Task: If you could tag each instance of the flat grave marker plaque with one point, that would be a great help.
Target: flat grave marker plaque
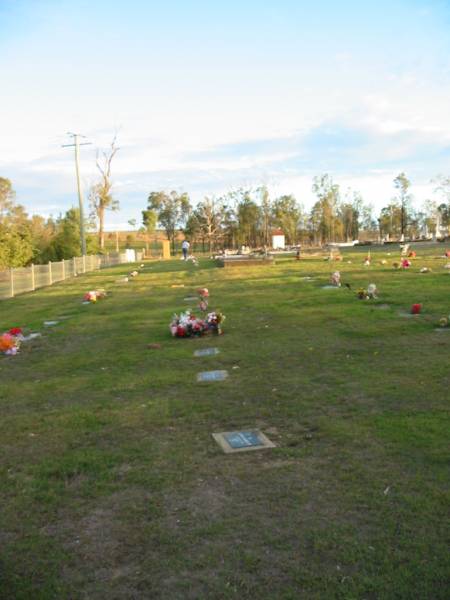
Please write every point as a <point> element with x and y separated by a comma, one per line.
<point>212,375</point>
<point>50,323</point>
<point>382,306</point>
<point>191,299</point>
<point>242,441</point>
<point>206,352</point>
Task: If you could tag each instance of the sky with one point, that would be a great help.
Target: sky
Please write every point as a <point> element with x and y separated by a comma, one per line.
<point>209,96</point>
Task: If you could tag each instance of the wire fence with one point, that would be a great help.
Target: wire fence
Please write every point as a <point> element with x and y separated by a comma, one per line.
<point>27,279</point>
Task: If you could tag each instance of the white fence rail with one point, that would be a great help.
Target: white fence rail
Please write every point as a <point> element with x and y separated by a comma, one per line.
<point>27,279</point>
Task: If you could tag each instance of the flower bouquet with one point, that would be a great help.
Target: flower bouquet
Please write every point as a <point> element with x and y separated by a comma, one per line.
<point>372,291</point>
<point>204,295</point>
<point>362,294</point>
<point>416,309</point>
<point>214,321</point>
<point>10,341</point>
<point>335,279</point>
<point>444,321</point>
<point>192,259</point>
<point>406,263</point>
<point>187,325</point>
<point>94,295</point>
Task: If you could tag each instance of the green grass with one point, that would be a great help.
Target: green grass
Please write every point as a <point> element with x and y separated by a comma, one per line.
<point>112,486</point>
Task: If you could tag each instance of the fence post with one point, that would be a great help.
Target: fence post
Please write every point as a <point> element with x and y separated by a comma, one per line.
<point>11,282</point>
<point>74,267</point>
<point>63,269</point>
<point>50,278</point>
<point>33,281</point>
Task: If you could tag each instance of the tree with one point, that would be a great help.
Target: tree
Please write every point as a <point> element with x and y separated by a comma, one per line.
<point>193,230</point>
<point>149,220</point>
<point>266,215</point>
<point>351,215</point>
<point>402,184</point>
<point>209,215</point>
<point>100,195</point>
<point>7,196</point>
<point>325,209</point>
<point>443,209</point>
<point>16,247</point>
<point>288,216</point>
<point>248,215</point>
<point>172,210</point>
<point>390,219</point>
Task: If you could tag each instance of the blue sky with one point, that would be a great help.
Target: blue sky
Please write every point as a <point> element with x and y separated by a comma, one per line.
<point>210,96</point>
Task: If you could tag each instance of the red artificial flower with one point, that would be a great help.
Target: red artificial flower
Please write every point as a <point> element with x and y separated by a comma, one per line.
<point>416,308</point>
<point>15,331</point>
<point>181,332</point>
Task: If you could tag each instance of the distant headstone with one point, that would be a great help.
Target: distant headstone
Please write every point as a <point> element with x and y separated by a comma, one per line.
<point>191,299</point>
<point>242,441</point>
<point>50,323</point>
<point>31,336</point>
<point>212,375</point>
<point>206,352</point>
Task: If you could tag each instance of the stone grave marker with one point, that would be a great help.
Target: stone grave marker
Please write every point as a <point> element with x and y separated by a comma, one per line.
<point>50,323</point>
<point>242,441</point>
<point>191,299</point>
<point>212,376</point>
<point>382,306</point>
<point>206,352</point>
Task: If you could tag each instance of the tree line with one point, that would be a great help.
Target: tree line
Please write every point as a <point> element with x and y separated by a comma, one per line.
<point>248,216</point>
<point>240,217</point>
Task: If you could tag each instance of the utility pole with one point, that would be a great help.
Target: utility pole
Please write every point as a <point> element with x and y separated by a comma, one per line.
<point>77,145</point>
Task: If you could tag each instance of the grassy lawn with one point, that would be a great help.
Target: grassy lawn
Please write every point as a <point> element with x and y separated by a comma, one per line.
<point>113,488</point>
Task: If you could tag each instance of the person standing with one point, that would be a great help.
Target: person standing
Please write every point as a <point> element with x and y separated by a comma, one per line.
<point>184,248</point>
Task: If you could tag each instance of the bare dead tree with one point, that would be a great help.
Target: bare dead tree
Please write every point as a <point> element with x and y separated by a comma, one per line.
<point>100,195</point>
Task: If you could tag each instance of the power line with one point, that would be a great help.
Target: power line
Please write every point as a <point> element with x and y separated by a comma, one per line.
<point>76,145</point>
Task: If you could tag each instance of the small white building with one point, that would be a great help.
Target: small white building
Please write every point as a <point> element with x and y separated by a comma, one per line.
<point>278,239</point>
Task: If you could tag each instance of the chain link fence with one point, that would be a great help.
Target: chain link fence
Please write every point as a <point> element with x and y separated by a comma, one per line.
<point>27,279</point>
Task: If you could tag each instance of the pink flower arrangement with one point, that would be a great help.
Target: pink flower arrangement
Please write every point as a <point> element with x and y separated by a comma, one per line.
<point>188,325</point>
<point>94,295</point>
